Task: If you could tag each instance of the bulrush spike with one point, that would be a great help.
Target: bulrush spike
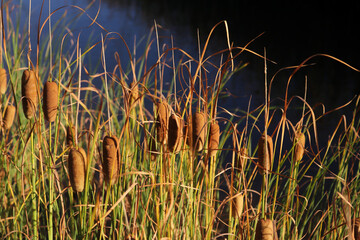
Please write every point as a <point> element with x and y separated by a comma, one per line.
<point>77,169</point>
<point>199,131</point>
<point>299,142</point>
<point>134,92</point>
<point>162,122</point>
<point>29,93</point>
<point>70,134</point>
<point>265,156</point>
<point>110,159</point>
<point>357,229</point>
<point>238,205</point>
<point>242,159</point>
<point>175,134</point>
<point>214,137</point>
<point>266,230</point>
<point>9,116</point>
<point>50,101</point>
<point>3,80</point>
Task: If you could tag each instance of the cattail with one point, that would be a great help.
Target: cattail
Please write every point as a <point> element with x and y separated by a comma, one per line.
<point>214,137</point>
<point>50,101</point>
<point>175,135</point>
<point>242,159</point>
<point>357,229</point>
<point>162,122</point>
<point>299,146</point>
<point>265,230</point>
<point>9,116</point>
<point>199,130</point>
<point>238,205</point>
<point>70,134</point>
<point>110,159</point>
<point>29,93</point>
<point>77,169</point>
<point>3,80</point>
<point>134,92</point>
<point>265,154</point>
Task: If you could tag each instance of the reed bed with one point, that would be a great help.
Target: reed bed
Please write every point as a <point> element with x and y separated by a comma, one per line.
<point>124,154</point>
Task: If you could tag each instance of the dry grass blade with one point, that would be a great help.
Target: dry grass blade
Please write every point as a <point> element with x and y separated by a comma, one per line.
<point>265,153</point>
<point>214,139</point>
<point>3,80</point>
<point>77,169</point>
<point>199,131</point>
<point>265,230</point>
<point>110,159</point>
<point>299,142</point>
<point>175,135</point>
<point>9,116</point>
<point>29,93</point>
<point>162,122</point>
<point>50,101</point>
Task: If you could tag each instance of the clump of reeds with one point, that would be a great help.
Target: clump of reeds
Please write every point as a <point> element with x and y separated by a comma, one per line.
<point>266,230</point>
<point>77,168</point>
<point>9,116</point>
<point>175,134</point>
<point>199,131</point>
<point>265,153</point>
<point>29,93</point>
<point>214,137</point>
<point>110,159</point>
<point>50,101</point>
<point>162,122</point>
<point>3,80</point>
<point>299,142</point>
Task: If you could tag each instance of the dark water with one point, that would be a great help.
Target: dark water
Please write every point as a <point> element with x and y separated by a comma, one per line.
<point>292,31</point>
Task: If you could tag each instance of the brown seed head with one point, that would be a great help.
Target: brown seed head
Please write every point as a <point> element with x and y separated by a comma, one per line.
<point>238,205</point>
<point>242,159</point>
<point>70,134</point>
<point>50,101</point>
<point>199,130</point>
<point>162,122</point>
<point>265,230</point>
<point>265,154</point>
<point>9,116</point>
<point>77,170</point>
<point>3,80</point>
<point>110,159</point>
<point>214,137</point>
<point>357,229</point>
<point>29,93</point>
<point>299,146</point>
<point>175,135</point>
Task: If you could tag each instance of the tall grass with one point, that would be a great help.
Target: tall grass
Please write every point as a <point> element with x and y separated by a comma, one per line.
<point>150,158</point>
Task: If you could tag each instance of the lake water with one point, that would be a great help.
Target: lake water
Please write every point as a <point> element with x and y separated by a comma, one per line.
<point>292,32</point>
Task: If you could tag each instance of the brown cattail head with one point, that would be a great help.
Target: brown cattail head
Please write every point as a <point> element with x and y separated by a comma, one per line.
<point>357,229</point>
<point>110,159</point>
<point>162,122</point>
<point>3,80</point>
<point>265,230</point>
<point>50,101</point>
<point>238,205</point>
<point>242,158</point>
<point>77,169</point>
<point>214,137</point>
<point>29,93</point>
<point>265,154</point>
<point>299,146</point>
<point>70,134</point>
<point>175,134</point>
<point>9,116</point>
<point>134,92</point>
<point>199,131</point>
